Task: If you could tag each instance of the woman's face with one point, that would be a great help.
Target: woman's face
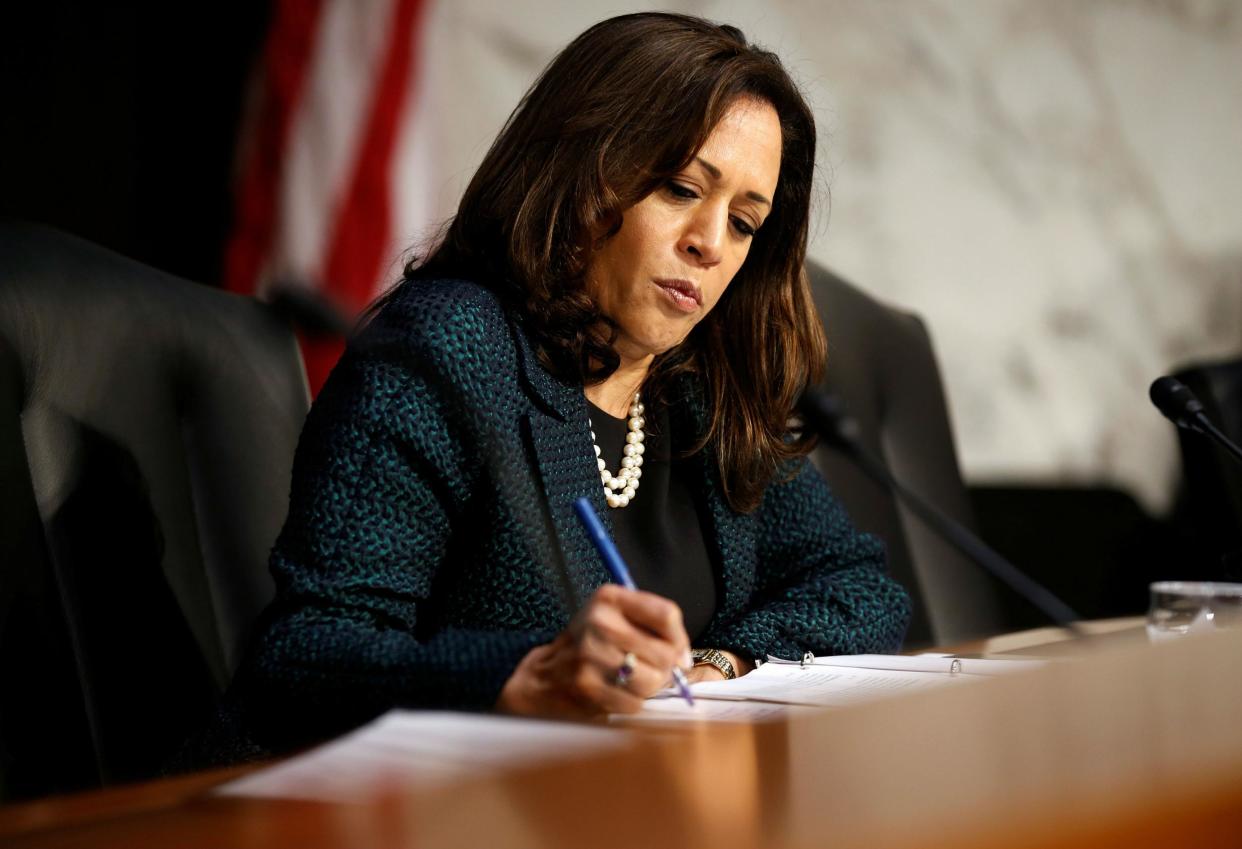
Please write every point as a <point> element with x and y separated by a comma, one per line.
<point>679,247</point>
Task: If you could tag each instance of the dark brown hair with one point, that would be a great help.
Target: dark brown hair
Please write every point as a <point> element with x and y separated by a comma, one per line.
<point>619,112</point>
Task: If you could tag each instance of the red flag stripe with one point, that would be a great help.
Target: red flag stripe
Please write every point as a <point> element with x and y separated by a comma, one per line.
<point>287,58</point>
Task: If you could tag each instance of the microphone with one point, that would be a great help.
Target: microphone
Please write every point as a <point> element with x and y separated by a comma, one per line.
<point>826,415</point>
<point>1180,406</point>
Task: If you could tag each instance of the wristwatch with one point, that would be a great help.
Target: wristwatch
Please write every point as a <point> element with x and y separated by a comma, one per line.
<point>716,658</point>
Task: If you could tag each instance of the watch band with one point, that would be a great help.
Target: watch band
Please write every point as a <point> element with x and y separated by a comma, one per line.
<point>716,658</point>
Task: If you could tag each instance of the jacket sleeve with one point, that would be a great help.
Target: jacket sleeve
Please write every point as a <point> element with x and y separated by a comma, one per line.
<point>382,470</point>
<point>820,586</point>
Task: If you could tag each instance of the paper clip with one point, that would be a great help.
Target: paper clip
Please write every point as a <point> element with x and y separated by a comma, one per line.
<point>808,658</point>
<point>955,667</point>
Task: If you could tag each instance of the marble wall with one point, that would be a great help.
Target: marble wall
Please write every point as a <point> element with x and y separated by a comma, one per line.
<point>1055,186</point>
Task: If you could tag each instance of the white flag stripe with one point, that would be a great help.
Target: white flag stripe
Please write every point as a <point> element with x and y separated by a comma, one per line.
<point>327,132</point>
<point>414,173</point>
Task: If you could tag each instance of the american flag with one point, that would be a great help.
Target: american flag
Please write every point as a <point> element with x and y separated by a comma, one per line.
<point>329,167</point>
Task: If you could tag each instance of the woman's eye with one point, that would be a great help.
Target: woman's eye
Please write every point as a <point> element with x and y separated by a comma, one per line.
<point>743,227</point>
<point>680,191</point>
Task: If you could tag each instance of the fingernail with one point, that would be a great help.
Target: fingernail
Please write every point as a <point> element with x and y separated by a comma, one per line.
<point>686,660</point>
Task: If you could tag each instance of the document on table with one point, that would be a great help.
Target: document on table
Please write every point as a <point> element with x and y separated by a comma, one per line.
<point>823,682</point>
<point>674,709</point>
<point>928,662</point>
<point>817,685</point>
<point>404,748</point>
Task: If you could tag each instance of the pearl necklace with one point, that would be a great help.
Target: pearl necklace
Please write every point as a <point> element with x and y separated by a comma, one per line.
<point>621,488</point>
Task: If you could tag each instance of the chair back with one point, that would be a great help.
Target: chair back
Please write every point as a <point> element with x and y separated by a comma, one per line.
<point>147,432</point>
<point>882,367</point>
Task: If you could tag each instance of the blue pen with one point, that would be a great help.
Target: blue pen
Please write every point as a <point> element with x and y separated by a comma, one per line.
<point>620,574</point>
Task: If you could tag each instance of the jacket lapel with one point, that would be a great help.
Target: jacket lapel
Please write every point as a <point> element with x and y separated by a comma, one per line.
<point>563,455</point>
<point>561,441</point>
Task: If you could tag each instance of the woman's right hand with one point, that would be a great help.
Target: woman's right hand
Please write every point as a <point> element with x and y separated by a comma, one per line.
<point>575,675</point>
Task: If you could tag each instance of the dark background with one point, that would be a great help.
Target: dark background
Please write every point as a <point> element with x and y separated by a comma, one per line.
<point>121,124</point>
<point>121,120</point>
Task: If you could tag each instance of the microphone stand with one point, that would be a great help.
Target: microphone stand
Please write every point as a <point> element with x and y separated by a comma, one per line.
<point>1203,425</point>
<point>1178,404</point>
<point>824,414</point>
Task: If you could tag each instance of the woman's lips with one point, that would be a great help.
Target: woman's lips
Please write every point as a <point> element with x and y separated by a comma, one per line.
<point>682,294</point>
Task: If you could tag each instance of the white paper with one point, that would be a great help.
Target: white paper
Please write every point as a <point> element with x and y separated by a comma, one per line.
<point>404,748</point>
<point>791,684</point>
<point>675,709</point>
<point>929,662</point>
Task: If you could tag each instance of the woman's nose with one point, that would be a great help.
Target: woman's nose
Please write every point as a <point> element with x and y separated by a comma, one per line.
<point>704,236</point>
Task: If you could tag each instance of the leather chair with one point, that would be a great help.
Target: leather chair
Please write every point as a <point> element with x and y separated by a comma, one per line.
<point>147,431</point>
<point>881,365</point>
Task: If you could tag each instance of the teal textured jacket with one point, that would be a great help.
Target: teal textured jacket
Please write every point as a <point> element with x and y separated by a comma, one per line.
<point>430,542</point>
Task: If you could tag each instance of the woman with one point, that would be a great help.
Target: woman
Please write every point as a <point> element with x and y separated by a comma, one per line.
<point>617,311</point>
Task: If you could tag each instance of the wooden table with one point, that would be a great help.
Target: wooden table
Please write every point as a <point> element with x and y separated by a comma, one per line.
<point>1126,745</point>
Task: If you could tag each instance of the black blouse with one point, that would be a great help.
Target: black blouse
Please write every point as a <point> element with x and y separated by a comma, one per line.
<point>660,533</point>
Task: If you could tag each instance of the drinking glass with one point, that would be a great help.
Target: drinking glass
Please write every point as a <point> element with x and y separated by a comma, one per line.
<point>1191,607</point>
